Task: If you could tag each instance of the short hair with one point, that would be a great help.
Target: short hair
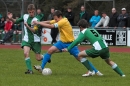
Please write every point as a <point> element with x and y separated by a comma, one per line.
<point>52,8</point>
<point>58,13</point>
<point>83,6</point>
<point>103,12</point>
<point>96,10</point>
<point>69,8</point>
<point>31,7</point>
<point>38,9</point>
<point>83,23</point>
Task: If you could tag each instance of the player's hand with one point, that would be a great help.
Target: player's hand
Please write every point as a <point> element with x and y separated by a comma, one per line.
<point>25,23</point>
<point>35,22</point>
<point>10,15</point>
<point>65,50</point>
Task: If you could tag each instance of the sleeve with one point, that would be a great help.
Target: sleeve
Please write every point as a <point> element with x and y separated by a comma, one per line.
<point>40,17</point>
<point>91,20</point>
<point>77,41</point>
<point>106,22</point>
<point>59,23</point>
<point>19,20</point>
<point>52,21</point>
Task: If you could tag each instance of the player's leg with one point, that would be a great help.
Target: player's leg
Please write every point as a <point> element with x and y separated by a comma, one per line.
<point>26,47</point>
<point>84,61</point>
<point>47,56</point>
<point>114,67</point>
<point>55,48</point>
<point>74,51</point>
<point>36,47</point>
<point>105,55</point>
<point>27,60</point>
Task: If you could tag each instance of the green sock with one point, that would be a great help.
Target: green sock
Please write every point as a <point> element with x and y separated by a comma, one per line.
<point>28,63</point>
<point>14,36</point>
<point>20,37</point>
<point>87,65</point>
<point>117,69</point>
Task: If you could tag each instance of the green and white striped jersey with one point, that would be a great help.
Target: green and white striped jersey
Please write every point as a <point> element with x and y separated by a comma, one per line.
<point>29,36</point>
<point>93,37</point>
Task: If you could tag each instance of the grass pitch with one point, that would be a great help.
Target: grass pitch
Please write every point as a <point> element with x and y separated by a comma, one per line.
<point>66,71</point>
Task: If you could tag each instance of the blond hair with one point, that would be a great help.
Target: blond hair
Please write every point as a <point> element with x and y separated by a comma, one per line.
<point>31,7</point>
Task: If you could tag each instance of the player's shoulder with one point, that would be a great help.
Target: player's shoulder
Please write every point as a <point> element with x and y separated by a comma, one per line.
<point>25,16</point>
<point>63,20</point>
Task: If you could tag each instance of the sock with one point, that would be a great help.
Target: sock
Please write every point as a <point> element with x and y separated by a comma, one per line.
<point>14,36</point>
<point>85,62</point>
<point>28,63</point>
<point>92,66</point>
<point>117,69</point>
<point>45,60</point>
<point>20,37</point>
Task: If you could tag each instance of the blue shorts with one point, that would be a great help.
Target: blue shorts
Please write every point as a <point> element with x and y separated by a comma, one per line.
<point>74,51</point>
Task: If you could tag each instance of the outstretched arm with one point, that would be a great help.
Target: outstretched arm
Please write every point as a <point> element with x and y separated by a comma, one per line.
<point>45,24</point>
<point>80,38</point>
<point>10,16</point>
<point>31,29</point>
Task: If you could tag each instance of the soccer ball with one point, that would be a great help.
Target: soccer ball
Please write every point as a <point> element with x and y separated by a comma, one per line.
<point>46,71</point>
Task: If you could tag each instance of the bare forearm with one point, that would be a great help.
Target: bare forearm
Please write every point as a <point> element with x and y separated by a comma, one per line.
<point>47,22</point>
<point>46,25</point>
<point>13,20</point>
<point>31,29</point>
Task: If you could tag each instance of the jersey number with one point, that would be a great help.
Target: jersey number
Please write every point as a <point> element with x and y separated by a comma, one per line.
<point>94,33</point>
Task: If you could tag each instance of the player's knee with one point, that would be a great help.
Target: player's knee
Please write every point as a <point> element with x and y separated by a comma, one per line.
<point>50,51</point>
<point>38,59</point>
<point>26,54</point>
<point>109,62</point>
<point>78,59</point>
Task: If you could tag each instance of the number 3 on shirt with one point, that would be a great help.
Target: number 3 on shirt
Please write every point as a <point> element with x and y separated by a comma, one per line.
<point>94,33</point>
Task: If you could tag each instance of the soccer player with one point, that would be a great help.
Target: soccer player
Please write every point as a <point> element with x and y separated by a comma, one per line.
<point>100,47</point>
<point>66,38</point>
<point>31,39</point>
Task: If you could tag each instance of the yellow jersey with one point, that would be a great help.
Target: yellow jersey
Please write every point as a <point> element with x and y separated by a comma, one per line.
<point>65,30</point>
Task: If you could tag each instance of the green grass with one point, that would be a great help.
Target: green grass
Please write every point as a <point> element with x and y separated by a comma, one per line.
<point>66,71</point>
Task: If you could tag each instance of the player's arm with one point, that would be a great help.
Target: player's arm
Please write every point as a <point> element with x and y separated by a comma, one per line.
<point>80,38</point>
<point>31,29</point>
<point>10,16</point>
<point>47,24</point>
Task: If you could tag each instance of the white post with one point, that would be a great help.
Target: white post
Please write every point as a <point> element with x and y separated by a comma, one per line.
<point>128,37</point>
